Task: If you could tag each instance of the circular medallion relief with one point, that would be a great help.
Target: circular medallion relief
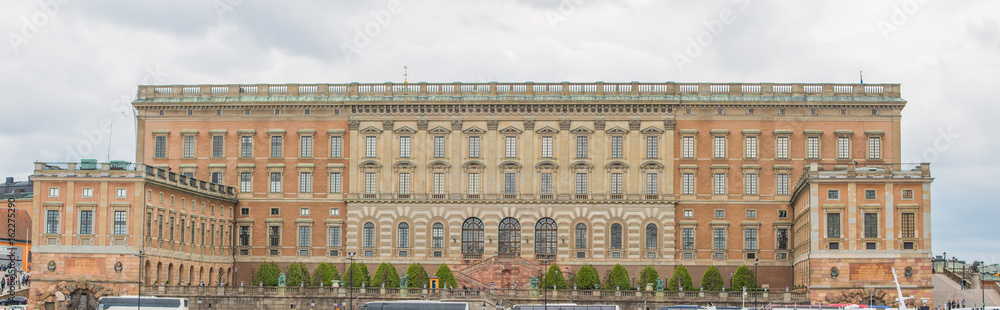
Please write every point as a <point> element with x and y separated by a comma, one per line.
<point>52,266</point>
<point>118,267</point>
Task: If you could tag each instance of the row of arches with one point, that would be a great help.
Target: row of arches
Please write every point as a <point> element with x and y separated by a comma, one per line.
<point>185,274</point>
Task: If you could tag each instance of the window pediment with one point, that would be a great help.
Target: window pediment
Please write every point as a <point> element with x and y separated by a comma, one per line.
<point>616,165</point>
<point>510,165</point>
<point>371,130</point>
<point>582,130</point>
<point>474,130</point>
<point>651,165</point>
<point>405,130</point>
<point>369,164</point>
<point>547,165</point>
<point>439,130</point>
<point>616,131</point>
<point>582,165</point>
<point>547,131</point>
<point>473,165</point>
<point>439,165</point>
<point>403,165</point>
<point>651,131</point>
<point>511,130</point>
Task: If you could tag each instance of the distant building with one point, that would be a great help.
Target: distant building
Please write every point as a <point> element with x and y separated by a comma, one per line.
<point>10,186</point>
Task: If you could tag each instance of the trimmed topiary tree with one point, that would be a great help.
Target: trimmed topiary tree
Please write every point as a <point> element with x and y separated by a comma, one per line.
<point>267,273</point>
<point>617,279</point>
<point>648,275</point>
<point>681,277</point>
<point>712,279</point>
<point>743,278</point>
<point>554,277</point>
<point>325,273</point>
<point>417,276</point>
<point>385,274</point>
<point>445,277</point>
<point>356,279</point>
<point>586,278</point>
<point>297,274</point>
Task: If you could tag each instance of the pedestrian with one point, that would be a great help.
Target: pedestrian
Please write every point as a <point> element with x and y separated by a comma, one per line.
<point>963,302</point>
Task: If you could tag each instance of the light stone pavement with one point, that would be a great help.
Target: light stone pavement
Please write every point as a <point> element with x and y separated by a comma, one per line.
<point>945,289</point>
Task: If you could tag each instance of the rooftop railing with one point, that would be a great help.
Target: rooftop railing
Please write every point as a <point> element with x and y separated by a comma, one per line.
<point>616,89</point>
<point>126,169</point>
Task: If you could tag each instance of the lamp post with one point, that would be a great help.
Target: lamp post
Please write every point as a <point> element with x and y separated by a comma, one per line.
<point>981,288</point>
<point>350,288</point>
<point>312,304</point>
<point>545,297</point>
<point>755,263</point>
<point>199,303</point>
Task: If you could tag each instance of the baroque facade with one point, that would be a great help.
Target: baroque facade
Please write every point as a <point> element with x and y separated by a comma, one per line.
<point>498,179</point>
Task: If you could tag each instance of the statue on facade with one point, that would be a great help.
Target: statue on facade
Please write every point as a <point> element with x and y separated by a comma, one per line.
<point>534,283</point>
<point>281,279</point>
<point>660,284</point>
<point>404,281</point>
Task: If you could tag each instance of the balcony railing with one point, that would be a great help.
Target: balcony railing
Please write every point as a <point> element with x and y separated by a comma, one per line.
<point>125,169</point>
<point>506,196</point>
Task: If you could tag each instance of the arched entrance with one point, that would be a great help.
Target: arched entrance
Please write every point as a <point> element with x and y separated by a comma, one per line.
<point>509,240</point>
<point>545,239</point>
<point>472,238</point>
<point>82,299</point>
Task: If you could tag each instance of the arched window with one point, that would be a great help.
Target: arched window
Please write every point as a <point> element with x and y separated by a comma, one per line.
<point>369,235</point>
<point>616,236</point>
<point>651,236</point>
<point>509,241</point>
<point>545,238</point>
<point>437,233</point>
<point>581,236</point>
<point>403,235</point>
<point>472,238</point>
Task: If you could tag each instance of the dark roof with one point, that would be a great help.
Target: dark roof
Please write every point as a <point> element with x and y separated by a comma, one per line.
<point>21,219</point>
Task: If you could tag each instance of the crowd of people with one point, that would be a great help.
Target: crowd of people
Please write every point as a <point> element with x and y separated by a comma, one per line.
<point>952,304</point>
<point>18,280</point>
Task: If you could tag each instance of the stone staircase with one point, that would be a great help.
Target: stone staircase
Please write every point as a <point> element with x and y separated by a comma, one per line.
<point>502,272</point>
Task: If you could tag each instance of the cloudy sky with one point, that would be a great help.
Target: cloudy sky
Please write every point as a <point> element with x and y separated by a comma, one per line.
<point>67,66</point>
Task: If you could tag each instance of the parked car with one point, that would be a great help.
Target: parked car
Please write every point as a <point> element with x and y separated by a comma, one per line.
<point>18,307</point>
<point>16,300</point>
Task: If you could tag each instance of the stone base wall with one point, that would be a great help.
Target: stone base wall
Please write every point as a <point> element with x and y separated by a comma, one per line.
<point>850,280</point>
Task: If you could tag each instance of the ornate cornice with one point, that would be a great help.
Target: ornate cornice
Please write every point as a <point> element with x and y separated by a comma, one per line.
<point>422,124</point>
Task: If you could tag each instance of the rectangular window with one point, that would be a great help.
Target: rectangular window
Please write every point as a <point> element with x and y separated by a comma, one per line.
<point>547,147</point>
<point>833,195</point>
<point>86,222</point>
<point>687,147</point>
<point>88,193</point>
<point>652,147</point>
<point>336,146</point>
<point>750,239</point>
<point>246,185</point>
<point>244,211</point>
<point>869,194</point>
<point>782,234</point>
<point>276,146</point>
<point>581,183</point>
<point>305,182</point>
<point>121,193</point>
<point>874,147</point>
<point>246,146</point>
<point>750,184</point>
<point>616,183</point>
<point>439,147</point>
<point>371,146</point>
<point>782,184</point>
<point>473,183</point>
<point>687,238</point>
<point>833,225</point>
<point>720,184</point>
<point>546,184</point>
<point>159,227</point>
<point>781,147</point>
<point>53,192</point>
<point>335,179</point>
<point>907,194</point>
<point>720,147</point>
<point>688,213</point>
<point>244,235</point>
<point>720,213</point>
<point>370,183</point>
<point>751,214</point>
<point>871,225</point>
<point>687,184</point>
<point>719,238</point>
<point>510,147</point>
<point>782,214</point>
<point>218,146</point>
<point>217,177</point>
<point>751,146</point>
<point>189,146</point>
<point>510,183</point>
<point>120,220</point>
<point>473,146</point>
<point>161,147</point>
<point>843,147</point>
<point>652,183</point>
<point>306,146</point>
<point>334,211</point>
<point>273,235</point>
<point>304,236</point>
<point>439,183</point>
<point>275,182</point>
<point>908,228</point>
<point>404,183</point>
<point>333,237</point>
<point>170,228</point>
<point>616,147</point>
<point>581,147</point>
<point>404,146</point>
<point>812,147</point>
<point>52,222</point>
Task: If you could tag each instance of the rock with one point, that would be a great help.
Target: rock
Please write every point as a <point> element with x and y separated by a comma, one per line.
<point>60,296</point>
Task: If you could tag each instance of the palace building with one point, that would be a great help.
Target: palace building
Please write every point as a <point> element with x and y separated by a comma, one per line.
<point>801,182</point>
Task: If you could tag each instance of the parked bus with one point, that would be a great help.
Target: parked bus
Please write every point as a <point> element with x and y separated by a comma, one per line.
<point>564,307</point>
<point>147,302</point>
<point>415,305</point>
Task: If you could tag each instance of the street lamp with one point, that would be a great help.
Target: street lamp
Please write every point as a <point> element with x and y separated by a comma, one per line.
<point>545,297</point>
<point>755,263</point>
<point>199,303</point>
<point>312,304</point>
<point>350,257</point>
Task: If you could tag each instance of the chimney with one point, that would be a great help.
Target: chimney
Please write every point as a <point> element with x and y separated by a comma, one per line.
<point>10,180</point>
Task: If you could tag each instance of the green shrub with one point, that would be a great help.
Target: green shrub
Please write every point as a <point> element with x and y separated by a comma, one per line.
<point>297,274</point>
<point>267,273</point>
<point>617,279</point>
<point>554,277</point>
<point>743,278</point>
<point>648,275</point>
<point>385,274</point>
<point>712,279</point>
<point>417,276</point>
<point>445,277</point>
<point>681,277</point>
<point>356,279</point>
<point>325,273</point>
<point>586,278</point>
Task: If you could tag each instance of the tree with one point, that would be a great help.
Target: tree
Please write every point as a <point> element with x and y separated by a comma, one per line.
<point>681,274</point>
<point>267,273</point>
<point>325,273</point>
<point>617,278</point>
<point>445,276</point>
<point>297,274</point>
<point>385,275</point>
<point>743,278</point>
<point>417,276</point>
<point>586,278</point>
<point>712,279</point>
<point>355,279</point>
<point>648,275</point>
<point>554,277</point>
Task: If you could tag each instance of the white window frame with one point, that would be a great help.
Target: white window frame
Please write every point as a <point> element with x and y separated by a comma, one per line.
<point>246,181</point>
<point>305,182</point>
<point>404,183</point>
<point>617,147</point>
<point>336,146</point>
<point>371,183</point>
<point>687,184</point>
<point>189,145</point>
<point>687,147</point>
<point>719,184</point>
<point>474,146</point>
<point>473,183</point>
<point>439,144</point>
<point>121,192</point>
<point>812,148</point>
<point>510,147</point>
<point>781,181</point>
<point>404,146</point>
<point>371,146</point>
<point>336,180</point>
<point>750,184</point>
<point>843,147</point>
<point>277,146</point>
<point>750,146</point>
<point>582,143</point>
<point>306,146</point>
<point>616,183</point>
<point>581,183</point>
<point>874,147</point>
<point>53,192</point>
<point>652,147</point>
<point>781,147</point>
<point>275,182</point>
<point>88,192</point>
<point>547,146</point>
<point>652,183</point>
<point>719,146</point>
